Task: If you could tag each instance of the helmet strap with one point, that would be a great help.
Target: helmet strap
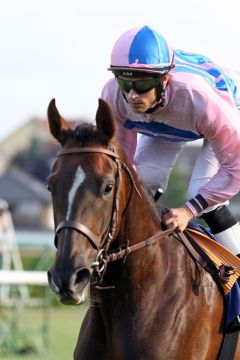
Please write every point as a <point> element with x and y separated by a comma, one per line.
<point>125,98</point>
<point>160,93</point>
<point>160,98</point>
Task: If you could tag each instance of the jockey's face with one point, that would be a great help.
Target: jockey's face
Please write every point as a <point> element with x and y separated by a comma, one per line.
<point>140,103</point>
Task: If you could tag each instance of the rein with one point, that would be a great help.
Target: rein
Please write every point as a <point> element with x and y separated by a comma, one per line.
<point>123,253</point>
<point>104,257</point>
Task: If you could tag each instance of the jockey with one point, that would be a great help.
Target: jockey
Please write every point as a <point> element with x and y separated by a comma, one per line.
<point>172,97</point>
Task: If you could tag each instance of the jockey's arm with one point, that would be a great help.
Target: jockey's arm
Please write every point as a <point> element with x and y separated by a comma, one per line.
<point>220,126</point>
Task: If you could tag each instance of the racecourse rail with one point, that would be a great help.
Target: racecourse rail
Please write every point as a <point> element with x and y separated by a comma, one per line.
<point>18,277</point>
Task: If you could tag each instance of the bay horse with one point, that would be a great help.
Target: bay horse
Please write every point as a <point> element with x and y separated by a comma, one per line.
<point>155,303</point>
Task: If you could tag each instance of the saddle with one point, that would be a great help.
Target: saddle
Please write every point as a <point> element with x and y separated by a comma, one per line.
<point>223,265</point>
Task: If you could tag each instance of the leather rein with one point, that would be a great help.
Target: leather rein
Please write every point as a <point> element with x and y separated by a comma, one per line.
<point>101,245</point>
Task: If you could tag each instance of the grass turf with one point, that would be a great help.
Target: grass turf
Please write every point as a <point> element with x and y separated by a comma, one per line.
<point>63,328</point>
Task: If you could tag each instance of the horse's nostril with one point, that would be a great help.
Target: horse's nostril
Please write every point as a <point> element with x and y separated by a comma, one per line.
<point>53,283</point>
<point>82,277</point>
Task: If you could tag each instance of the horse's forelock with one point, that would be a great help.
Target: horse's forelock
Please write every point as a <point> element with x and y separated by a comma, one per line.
<point>83,133</point>
<point>86,134</point>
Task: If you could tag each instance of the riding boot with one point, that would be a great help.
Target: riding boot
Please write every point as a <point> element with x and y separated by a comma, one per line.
<point>224,227</point>
<point>230,238</point>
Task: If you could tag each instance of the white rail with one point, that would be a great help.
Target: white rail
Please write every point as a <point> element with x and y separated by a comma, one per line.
<point>18,277</point>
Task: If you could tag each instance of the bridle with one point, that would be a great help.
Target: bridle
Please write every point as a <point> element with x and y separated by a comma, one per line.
<point>101,244</point>
<point>96,241</point>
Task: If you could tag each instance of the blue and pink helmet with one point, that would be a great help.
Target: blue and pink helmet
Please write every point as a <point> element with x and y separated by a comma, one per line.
<point>141,49</point>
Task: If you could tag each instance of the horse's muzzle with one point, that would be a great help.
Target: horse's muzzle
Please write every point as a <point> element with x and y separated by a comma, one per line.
<point>70,287</point>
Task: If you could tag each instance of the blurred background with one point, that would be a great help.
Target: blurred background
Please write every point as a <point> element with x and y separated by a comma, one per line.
<point>61,49</point>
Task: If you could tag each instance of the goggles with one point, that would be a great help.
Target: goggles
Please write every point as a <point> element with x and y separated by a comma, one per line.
<point>140,86</point>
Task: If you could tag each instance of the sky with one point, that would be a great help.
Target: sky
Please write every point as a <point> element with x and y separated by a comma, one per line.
<point>61,48</point>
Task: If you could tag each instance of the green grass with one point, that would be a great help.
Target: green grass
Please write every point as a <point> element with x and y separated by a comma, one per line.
<point>64,324</point>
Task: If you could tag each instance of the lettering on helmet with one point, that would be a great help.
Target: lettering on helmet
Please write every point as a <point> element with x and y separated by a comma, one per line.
<point>127,73</point>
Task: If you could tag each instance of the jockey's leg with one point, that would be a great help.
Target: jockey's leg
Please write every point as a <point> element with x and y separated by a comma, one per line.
<point>225,228</point>
<point>154,160</point>
<point>219,218</point>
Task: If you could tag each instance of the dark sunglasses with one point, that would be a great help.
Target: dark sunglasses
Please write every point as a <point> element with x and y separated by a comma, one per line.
<point>140,86</point>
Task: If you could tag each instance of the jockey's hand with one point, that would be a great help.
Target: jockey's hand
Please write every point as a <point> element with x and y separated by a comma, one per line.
<point>177,218</point>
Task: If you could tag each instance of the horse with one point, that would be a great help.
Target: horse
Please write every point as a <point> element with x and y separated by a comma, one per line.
<point>149,299</point>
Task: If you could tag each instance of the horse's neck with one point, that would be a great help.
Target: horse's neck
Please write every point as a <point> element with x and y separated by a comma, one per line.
<point>165,259</point>
<point>141,221</point>
<point>153,281</point>
<point>152,265</point>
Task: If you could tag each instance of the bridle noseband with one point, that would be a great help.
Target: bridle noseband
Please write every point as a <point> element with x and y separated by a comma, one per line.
<point>93,239</point>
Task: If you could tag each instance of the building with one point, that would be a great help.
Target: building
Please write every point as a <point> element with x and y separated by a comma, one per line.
<point>28,200</point>
<point>23,187</point>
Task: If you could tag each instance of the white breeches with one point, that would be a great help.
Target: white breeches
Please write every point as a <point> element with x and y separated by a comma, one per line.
<point>156,158</point>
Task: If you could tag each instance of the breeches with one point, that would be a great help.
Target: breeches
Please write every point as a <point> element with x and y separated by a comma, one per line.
<point>156,158</point>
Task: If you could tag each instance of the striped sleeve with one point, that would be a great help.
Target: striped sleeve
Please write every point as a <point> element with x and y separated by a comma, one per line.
<point>197,204</point>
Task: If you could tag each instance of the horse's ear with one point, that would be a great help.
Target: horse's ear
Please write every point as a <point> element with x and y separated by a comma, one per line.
<point>105,122</point>
<point>57,125</point>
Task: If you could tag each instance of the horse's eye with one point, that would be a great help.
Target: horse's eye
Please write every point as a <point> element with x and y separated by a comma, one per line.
<point>108,188</point>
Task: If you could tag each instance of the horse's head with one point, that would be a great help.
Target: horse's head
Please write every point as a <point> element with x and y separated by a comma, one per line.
<point>84,184</point>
